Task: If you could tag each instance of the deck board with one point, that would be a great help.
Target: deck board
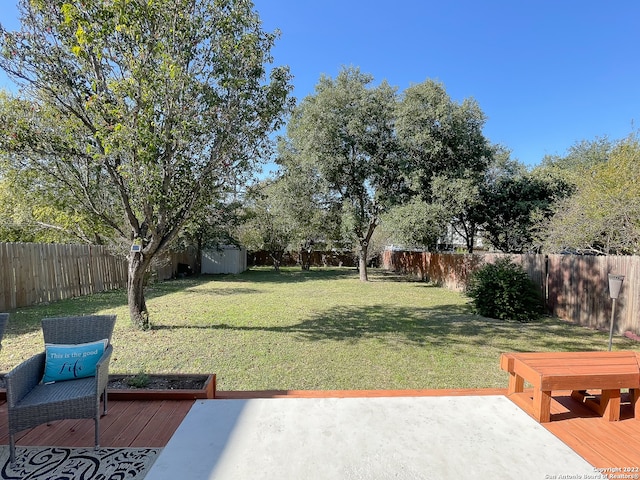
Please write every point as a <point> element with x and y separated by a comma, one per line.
<point>152,423</point>
<point>169,415</point>
<point>128,424</point>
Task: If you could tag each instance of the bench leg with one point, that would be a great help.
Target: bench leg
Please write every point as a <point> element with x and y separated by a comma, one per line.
<point>516,384</point>
<point>610,405</point>
<point>541,405</point>
<point>635,402</point>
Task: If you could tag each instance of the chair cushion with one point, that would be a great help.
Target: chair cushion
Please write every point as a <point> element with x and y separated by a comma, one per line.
<point>68,362</point>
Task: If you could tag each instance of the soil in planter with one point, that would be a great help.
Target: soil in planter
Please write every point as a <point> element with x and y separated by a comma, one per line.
<point>154,382</point>
<point>157,382</point>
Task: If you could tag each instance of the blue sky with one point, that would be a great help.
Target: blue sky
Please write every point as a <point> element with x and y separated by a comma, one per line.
<point>546,73</point>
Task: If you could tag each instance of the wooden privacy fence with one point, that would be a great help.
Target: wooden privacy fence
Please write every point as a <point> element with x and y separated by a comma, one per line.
<point>32,273</point>
<point>574,287</point>
<point>317,259</point>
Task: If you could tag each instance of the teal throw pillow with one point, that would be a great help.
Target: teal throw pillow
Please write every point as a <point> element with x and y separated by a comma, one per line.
<point>68,362</point>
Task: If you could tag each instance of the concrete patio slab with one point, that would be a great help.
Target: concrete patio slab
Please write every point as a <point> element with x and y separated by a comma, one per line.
<point>365,438</point>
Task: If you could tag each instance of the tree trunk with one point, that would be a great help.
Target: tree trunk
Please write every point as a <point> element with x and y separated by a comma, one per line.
<point>304,264</point>
<point>135,292</point>
<point>364,249</point>
<point>362,261</point>
<point>305,255</point>
<point>471,237</point>
<point>277,259</point>
<point>198,262</point>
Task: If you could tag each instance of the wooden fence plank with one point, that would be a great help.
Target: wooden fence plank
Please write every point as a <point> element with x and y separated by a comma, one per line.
<point>6,278</point>
<point>21,271</point>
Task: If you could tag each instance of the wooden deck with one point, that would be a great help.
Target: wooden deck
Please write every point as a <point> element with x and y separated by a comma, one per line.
<point>152,423</point>
<point>127,424</point>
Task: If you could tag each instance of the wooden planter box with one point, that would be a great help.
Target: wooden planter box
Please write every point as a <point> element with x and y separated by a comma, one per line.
<point>208,391</point>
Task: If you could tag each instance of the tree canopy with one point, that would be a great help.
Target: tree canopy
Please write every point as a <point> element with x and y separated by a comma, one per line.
<point>447,155</point>
<point>439,136</point>
<point>514,207</point>
<point>310,205</point>
<point>603,215</point>
<point>142,111</point>
<point>415,223</point>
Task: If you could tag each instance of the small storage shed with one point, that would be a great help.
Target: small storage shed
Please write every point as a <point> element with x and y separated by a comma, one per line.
<point>224,259</point>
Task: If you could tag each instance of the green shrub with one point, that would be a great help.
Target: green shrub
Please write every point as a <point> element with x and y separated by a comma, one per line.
<point>140,380</point>
<point>503,290</point>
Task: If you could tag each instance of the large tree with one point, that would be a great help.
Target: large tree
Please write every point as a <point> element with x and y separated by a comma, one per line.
<point>155,105</point>
<point>346,131</point>
<point>447,153</point>
<point>603,215</point>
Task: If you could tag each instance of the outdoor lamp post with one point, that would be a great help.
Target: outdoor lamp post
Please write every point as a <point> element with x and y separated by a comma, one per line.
<point>615,283</point>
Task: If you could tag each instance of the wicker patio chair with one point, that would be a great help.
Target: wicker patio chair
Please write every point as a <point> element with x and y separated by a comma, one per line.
<point>30,402</point>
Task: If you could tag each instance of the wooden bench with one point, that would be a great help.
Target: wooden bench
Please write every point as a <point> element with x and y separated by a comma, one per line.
<point>576,371</point>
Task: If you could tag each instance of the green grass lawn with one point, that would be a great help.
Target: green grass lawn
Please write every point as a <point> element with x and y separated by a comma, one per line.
<point>322,329</point>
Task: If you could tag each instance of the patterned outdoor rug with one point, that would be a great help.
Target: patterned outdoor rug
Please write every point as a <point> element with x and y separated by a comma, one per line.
<point>62,463</point>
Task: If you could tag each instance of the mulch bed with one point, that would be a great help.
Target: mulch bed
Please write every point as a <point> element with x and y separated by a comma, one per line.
<point>155,382</point>
<point>158,382</point>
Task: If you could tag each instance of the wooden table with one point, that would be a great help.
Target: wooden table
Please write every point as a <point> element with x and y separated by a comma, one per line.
<point>575,371</point>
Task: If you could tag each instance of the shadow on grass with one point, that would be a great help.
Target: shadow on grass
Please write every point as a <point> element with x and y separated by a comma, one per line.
<point>291,275</point>
<point>206,284</point>
<point>378,275</point>
<point>441,326</point>
<point>222,291</point>
<point>287,275</point>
